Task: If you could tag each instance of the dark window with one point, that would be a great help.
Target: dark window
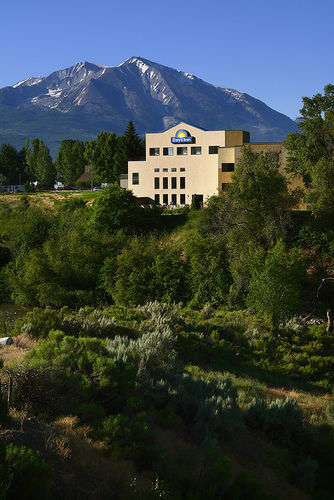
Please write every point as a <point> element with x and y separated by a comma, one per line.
<point>168,151</point>
<point>173,199</point>
<point>182,199</point>
<point>165,182</point>
<point>173,182</point>
<point>182,169</point>
<point>199,197</point>
<point>165,199</point>
<point>157,170</point>
<point>165,169</point>
<point>157,199</point>
<point>182,150</point>
<point>213,150</point>
<point>182,182</point>
<point>135,178</point>
<point>227,167</point>
<point>173,169</point>
<point>196,150</point>
<point>156,183</point>
<point>154,151</point>
<point>225,186</point>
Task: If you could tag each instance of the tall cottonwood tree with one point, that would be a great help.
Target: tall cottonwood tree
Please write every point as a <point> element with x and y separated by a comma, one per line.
<point>44,168</point>
<point>104,157</point>
<point>70,161</point>
<point>255,207</point>
<point>311,152</point>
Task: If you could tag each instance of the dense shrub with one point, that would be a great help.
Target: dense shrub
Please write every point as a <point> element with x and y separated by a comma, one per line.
<point>281,420</point>
<point>87,321</point>
<point>23,474</point>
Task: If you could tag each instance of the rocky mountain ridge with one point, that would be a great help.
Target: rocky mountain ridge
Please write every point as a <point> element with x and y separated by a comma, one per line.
<point>79,101</point>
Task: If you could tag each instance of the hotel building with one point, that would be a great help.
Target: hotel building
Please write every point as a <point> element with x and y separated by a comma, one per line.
<point>186,160</point>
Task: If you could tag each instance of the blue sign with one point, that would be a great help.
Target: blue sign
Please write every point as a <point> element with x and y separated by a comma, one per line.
<point>182,136</point>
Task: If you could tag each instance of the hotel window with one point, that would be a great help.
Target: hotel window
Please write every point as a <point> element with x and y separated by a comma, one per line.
<point>182,150</point>
<point>182,182</point>
<point>165,169</point>
<point>173,199</point>
<point>157,199</point>
<point>135,178</point>
<point>168,151</point>
<point>165,199</point>
<point>173,169</point>
<point>173,182</point>
<point>225,186</point>
<point>154,151</point>
<point>182,199</point>
<point>157,170</point>
<point>227,167</point>
<point>165,182</point>
<point>213,150</point>
<point>196,150</point>
<point>156,183</point>
<point>182,169</point>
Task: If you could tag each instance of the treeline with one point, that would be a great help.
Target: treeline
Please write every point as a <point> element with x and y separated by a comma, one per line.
<point>247,248</point>
<point>108,155</point>
<point>244,249</point>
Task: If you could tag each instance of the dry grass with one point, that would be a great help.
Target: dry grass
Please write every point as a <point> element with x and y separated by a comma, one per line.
<point>15,352</point>
<point>90,471</point>
<point>312,403</point>
<point>45,199</point>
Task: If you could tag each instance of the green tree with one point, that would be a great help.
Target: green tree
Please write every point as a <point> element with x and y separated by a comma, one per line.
<point>311,152</point>
<point>70,161</point>
<point>134,275</point>
<point>115,209</point>
<point>130,146</point>
<point>106,146</point>
<point>32,156</point>
<point>252,213</point>
<point>12,164</point>
<point>195,203</point>
<point>276,282</point>
<point>258,199</point>
<point>44,168</point>
<point>208,270</point>
<point>90,156</point>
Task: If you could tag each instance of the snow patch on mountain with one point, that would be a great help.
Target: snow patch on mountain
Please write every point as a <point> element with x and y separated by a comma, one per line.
<point>29,81</point>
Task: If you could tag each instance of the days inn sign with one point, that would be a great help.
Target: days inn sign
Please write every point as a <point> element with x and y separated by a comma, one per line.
<point>182,136</point>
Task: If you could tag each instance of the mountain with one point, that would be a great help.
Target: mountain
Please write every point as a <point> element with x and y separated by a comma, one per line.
<point>86,98</point>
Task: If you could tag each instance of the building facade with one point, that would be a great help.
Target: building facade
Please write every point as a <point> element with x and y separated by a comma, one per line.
<point>186,160</point>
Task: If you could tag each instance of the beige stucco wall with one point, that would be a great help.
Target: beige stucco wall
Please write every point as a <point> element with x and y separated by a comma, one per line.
<point>201,171</point>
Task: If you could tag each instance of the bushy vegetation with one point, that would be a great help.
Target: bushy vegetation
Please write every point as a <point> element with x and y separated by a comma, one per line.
<point>164,343</point>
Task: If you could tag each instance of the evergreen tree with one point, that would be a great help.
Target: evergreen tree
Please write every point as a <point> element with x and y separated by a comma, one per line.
<point>120,159</point>
<point>195,203</point>
<point>130,146</point>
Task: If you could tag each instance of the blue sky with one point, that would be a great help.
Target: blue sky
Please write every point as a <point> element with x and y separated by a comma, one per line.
<point>276,51</point>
